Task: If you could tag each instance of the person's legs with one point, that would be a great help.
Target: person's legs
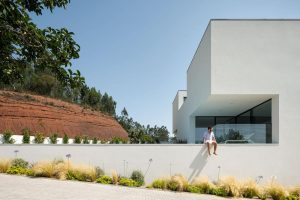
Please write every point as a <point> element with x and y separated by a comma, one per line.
<point>208,147</point>
<point>215,148</point>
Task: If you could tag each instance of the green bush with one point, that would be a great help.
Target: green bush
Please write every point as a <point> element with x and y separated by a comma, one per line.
<point>203,184</point>
<point>193,189</point>
<point>86,140</point>
<point>292,197</point>
<point>39,138</point>
<point>173,185</point>
<point>104,180</point>
<point>95,140</point>
<point>79,175</point>
<point>249,193</point>
<point>17,170</point>
<point>53,138</point>
<point>19,162</point>
<point>128,182</point>
<point>77,139</point>
<point>219,191</point>
<point>26,136</point>
<point>116,140</point>
<point>6,137</point>
<point>160,184</point>
<point>29,172</point>
<point>65,139</point>
<point>138,176</point>
<point>295,191</point>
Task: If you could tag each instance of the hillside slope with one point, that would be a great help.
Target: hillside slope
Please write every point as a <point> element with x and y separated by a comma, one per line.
<point>47,115</point>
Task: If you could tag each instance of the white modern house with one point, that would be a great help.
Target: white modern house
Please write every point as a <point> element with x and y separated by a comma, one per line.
<point>244,79</point>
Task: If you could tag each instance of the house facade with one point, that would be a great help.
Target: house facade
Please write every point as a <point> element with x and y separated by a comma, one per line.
<point>244,80</point>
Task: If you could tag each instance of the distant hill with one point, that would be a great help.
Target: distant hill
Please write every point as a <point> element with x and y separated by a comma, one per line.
<point>47,115</point>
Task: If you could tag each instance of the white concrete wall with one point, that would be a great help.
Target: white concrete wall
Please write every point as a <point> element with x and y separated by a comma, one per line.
<point>198,89</point>
<point>261,57</point>
<point>177,103</point>
<point>241,161</point>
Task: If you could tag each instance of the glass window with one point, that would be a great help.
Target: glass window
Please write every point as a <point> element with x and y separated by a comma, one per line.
<point>244,118</point>
<point>224,120</point>
<point>204,121</point>
<point>262,113</point>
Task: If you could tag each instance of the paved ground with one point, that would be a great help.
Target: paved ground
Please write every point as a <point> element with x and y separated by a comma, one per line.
<point>19,187</point>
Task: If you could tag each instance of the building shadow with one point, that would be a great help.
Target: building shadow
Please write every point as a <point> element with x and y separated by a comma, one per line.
<point>198,163</point>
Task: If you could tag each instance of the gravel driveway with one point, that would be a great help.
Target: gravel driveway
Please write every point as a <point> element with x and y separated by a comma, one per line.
<point>19,187</point>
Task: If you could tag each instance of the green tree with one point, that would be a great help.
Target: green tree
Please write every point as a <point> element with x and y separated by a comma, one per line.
<point>85,140</point>
<point>24,45</point>
<point>95,140</point>
<point>53,138</point>
<point>26,136</point>
<point>108,105</point>
<point>39,138</point>
<point>66,139</point>
<point>7,137</point>
<point>77,139</point>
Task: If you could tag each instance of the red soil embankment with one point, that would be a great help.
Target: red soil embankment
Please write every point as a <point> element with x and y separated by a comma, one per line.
<point>47,115</point>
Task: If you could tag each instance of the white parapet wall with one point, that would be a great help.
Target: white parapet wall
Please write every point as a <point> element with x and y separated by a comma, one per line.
<point>239,160</point>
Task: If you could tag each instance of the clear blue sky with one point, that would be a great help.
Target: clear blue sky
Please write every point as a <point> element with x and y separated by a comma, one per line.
<point>138,51</point>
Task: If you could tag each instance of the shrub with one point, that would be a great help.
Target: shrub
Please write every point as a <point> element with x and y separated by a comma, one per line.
<point>219,191</point>
<point>4,165</point>
<point>103,141</point>
<point>116,140</point>
<point>6,137</point>
<point>292,197</point>
<point>39,138</point>
<point>115,177</point>
<point>17,170</point>
<point>53,138</point>
<point>230,185</point>
<point>249,189</point>
<point>81,173</point>
<point>181,181</point>
<point>52,169</point>
<point>99,172</point>
<point>138,177</point>
<point>19,162</point>
<point>177,183</point>
<point>160,183</point>
<point>104,180</point>
<point>26,136</point>
<point>173,185</point>
<point>95,140</point>
<point>128,182</point>
<point>193,189</point>
<point>86,140</point>
<point>203,184</point>
<point>65,139</point>
<point>77,139</point>
<point>276,191</point>
<point>295,191</point>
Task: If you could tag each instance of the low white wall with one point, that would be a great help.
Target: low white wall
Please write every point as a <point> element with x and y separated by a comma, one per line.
<point>239,160</point>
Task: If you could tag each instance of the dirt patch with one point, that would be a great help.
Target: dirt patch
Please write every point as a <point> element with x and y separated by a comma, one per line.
<point>47,115</point>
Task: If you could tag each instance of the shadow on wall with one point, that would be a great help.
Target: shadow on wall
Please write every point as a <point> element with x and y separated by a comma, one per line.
<point>198,163</point>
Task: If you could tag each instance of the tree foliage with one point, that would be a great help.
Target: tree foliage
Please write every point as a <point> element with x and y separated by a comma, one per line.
<point>138,133</point>
<point>25,45</point>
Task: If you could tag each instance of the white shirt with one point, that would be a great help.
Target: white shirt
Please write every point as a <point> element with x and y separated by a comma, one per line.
<point>208,136</point>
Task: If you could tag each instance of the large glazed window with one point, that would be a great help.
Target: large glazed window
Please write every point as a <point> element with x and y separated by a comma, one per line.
<point>251,126</point>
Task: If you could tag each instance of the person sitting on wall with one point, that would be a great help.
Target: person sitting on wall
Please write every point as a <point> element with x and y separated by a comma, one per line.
<point>208,139</point>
